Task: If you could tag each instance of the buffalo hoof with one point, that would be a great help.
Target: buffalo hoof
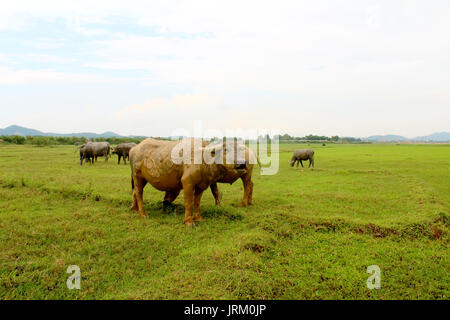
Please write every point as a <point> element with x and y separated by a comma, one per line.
<point>143,214</point>
<point>197,218</point>
<point>189,222</point>
<point>219,198</point>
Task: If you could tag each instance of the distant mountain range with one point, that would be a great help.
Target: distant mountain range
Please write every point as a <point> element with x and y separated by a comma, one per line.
<point>22,131</point>
<point>438,137</point>
<point>386,138</point>
<point>435,137</point>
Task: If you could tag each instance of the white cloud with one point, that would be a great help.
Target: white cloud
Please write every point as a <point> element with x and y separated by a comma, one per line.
<point>44,58</point>
<point>9,76</point>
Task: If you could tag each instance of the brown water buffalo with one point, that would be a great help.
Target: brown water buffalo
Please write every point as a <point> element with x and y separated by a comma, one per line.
<point>230,176</point>
<point>152,161</point>
<point>123,151</point>
<point>302,155</point>
<point>245,175</point>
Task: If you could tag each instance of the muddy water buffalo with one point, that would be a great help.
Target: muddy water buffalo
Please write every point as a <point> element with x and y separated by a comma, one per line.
<point>231,175</point>
<point>152,161</point>
<point>123,151</point>
<point>302,155</point>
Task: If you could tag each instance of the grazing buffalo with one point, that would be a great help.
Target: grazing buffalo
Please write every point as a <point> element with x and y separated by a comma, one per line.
<point>152,161</point>
<point>123,150</point>
<point>102,149</point>
<point>302,155</point>
<point>92,150</point>
<point>87,153</point>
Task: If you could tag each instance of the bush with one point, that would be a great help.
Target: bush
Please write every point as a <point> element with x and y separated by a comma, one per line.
<point>14,139</point>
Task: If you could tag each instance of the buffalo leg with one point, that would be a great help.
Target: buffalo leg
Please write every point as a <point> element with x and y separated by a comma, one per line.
<point>188,189</point>
<point>197,198</point>
<point>250,193</point>
<point>118,162</point>
<point>134,205</point>
<point>248,190</point>
<point>124,159</point>
<point>138,191</point>
<point>301,163</point>
<point>216,193</point>
<point>298,161</point>
<point>311,162</point>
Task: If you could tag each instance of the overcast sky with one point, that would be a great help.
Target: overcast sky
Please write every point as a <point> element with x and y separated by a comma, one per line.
<point>347,68</point>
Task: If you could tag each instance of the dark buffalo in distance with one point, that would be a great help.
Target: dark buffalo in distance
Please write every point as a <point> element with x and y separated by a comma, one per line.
<point>87,153</point>
<point>302,155</point>
<point>102,149</point>
<point>123,151</point>
<point>92,150</point>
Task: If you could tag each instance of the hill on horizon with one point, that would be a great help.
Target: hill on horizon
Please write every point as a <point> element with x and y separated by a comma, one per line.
<point>434,137</point>
<point>22,131</point>
<point>386,138</point>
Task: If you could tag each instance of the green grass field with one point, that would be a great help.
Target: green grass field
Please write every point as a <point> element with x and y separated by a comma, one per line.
<point>310,234</point>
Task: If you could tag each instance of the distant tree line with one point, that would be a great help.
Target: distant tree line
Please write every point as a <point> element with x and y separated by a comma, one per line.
<point>48,140</point>
<point>315,138</point>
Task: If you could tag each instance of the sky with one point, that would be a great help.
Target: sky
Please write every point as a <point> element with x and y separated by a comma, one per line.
<point>347,68</point>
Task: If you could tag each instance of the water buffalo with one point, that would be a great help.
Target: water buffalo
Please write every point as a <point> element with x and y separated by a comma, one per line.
<point>123,150</point>
<point>87,152</point>
<point>245,175</point>
<point>92,150</point>
<point>302,155</point>
<point>230,176</point>
<point>101,149</point>
<point>152,161</point>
